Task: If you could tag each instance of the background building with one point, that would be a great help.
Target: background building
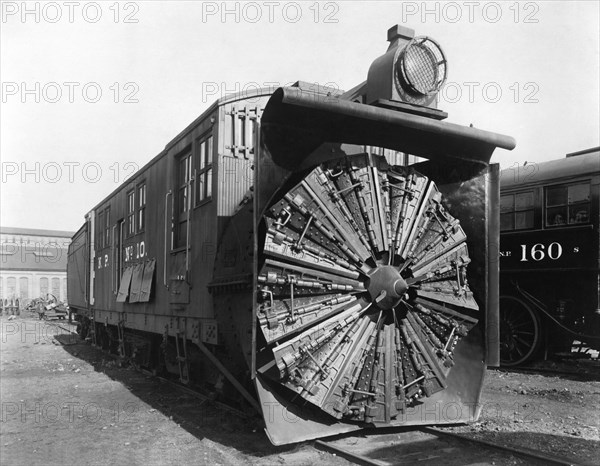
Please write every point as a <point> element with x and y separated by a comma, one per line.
<point>33,263</point>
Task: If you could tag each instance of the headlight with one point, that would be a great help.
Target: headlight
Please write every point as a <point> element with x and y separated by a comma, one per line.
<point>421,68</point>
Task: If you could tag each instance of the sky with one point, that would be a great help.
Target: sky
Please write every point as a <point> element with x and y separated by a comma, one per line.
<point>91,91</point>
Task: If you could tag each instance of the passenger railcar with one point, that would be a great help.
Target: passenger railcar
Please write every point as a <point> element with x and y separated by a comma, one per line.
<point>280,251</point>
<point>550,257</point>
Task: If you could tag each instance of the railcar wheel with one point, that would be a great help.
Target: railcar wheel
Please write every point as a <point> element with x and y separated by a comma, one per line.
<point>363,291</point>
<point>101,336</point>
<point>520,332</point>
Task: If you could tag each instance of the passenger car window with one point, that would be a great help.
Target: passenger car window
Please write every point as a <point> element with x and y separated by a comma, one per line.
<point>567,204</point>
<point>516,211</point>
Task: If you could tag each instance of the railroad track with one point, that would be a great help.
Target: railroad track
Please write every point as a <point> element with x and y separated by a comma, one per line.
<point>429,446</point>
<point>64,330</point>
<point>394,446</point>
<point>65,326</point>
<point>585,375</point>
<point>203,398</point>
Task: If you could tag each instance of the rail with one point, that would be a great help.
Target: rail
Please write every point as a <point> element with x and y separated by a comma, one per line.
<point>397,445</point>
<point>428,445</point>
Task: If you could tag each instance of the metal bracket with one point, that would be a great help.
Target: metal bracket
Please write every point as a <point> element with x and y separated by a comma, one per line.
<point>291,279</point>
<point>182,359</point>
<point>229,376</point>
<point>121,334</point>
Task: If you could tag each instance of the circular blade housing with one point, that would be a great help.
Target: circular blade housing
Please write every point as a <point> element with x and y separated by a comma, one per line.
<point>363,294</point>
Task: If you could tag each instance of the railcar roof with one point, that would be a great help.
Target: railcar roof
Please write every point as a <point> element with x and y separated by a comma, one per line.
<point>551,171</point>
<point>205,114</point>
<point>229,98</point>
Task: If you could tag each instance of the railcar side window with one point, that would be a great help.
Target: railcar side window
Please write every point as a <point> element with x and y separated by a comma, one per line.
<point>567,204</point>
<point>100,230</point>
<point>107,227</point>
<point>184,176</point>
<point>131,213</point>
<point>516,211</point>
<point>204,175</point>
<point>141,207</point>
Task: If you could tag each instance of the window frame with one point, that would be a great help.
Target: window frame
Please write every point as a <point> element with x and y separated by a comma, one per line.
<point>130,216</point>
<point>184,187</point>
<point>100,230</point>
<point>140,209</point>
<point>514,211</point>
<point>567,205</point>
<point>203,192</point>
<point>106,229</point>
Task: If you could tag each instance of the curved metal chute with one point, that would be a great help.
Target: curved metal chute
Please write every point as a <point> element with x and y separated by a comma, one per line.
<point>296,122</point>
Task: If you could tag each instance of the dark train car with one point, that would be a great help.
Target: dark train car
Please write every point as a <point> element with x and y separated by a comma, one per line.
<point>320,256</point>
<point>550,257</point>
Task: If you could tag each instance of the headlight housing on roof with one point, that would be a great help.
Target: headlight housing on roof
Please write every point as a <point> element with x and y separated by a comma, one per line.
<point>421,68</point>
<point>413,70</point>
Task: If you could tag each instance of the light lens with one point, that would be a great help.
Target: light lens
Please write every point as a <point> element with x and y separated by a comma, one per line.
<point>422,67</point>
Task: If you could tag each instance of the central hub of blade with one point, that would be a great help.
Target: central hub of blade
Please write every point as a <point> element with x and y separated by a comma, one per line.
<point>386,286</point>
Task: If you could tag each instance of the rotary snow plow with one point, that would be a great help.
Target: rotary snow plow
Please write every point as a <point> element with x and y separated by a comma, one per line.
<point>375,298</point>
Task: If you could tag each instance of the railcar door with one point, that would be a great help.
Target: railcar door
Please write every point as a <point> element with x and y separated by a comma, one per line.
<point>179,269</point>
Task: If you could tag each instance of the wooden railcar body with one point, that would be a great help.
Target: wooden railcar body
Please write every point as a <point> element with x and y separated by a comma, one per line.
<point>174,300</point>
<point>296,262</point>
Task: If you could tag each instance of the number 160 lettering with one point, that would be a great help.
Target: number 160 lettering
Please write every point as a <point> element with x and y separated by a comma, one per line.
<point>538,252</point>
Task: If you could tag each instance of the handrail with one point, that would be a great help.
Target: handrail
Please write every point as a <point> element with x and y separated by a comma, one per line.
<point>188,230</point>
<point>115,269</point>
<point>92,258</point>
<point>169,193</point>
